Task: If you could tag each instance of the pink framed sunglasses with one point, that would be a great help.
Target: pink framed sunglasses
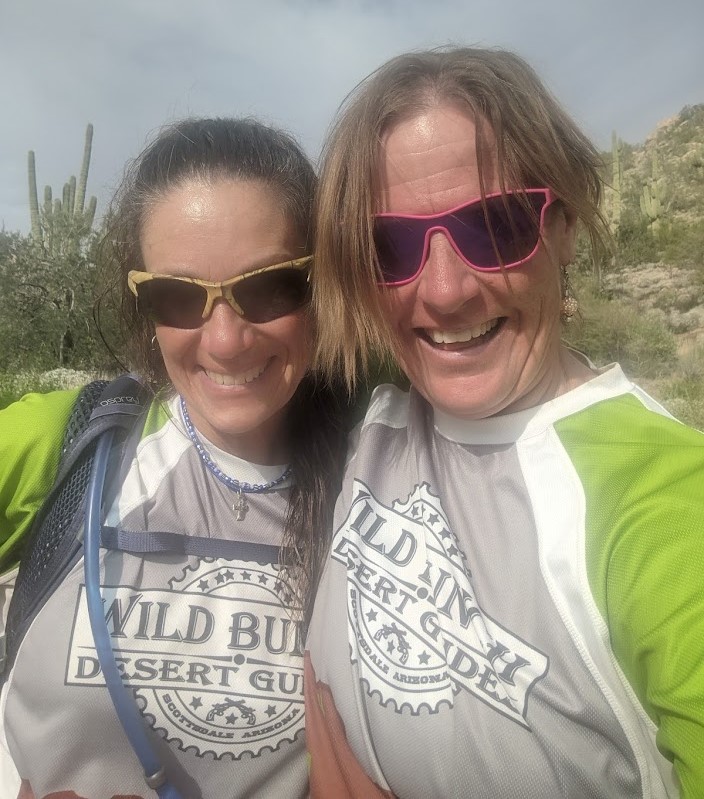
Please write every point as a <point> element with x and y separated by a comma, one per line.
<point>503,232</point>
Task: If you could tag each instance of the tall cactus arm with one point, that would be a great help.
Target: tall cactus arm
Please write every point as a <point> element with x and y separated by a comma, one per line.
<point>71,196</point>
<point>33,200</point>
<point>83,177</point>
<point>90,212</point>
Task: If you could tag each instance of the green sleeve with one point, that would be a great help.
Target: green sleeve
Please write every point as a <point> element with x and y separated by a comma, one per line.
<point>644,488</point>
<point>31,433</point>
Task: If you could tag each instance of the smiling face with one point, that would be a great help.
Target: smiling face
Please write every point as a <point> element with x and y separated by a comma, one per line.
<point>236,377</point>
<point>473,344</point>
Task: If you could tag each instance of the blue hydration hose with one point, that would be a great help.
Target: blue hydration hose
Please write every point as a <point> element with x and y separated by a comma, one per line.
<point>125,706</point>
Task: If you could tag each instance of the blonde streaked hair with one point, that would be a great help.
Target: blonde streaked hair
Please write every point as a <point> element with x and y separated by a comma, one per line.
<point>537,145</point>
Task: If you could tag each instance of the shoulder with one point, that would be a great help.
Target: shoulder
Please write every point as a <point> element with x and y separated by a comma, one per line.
<point>35,425</point>
<point>31,434</point>
<point>632,436</point>
<point>642,471</point>
<point>389,406</point>
<point>389,411</point>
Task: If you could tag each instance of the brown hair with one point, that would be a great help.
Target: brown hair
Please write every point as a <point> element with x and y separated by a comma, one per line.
<point>537,145</point>
<point>239,149</point>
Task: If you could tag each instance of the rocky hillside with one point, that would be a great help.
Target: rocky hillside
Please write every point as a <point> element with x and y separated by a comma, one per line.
<point>655,206</point>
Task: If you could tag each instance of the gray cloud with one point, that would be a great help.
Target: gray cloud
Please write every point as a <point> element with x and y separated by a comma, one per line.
<point>129,67</point>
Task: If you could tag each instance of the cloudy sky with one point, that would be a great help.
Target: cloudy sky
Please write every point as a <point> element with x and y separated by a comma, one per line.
<point>131,65</point>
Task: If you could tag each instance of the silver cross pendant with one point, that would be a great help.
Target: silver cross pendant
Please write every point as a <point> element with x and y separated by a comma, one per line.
<point>240,507</point>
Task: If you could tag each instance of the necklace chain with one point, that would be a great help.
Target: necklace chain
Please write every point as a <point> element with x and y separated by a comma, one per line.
<point>241,487</point>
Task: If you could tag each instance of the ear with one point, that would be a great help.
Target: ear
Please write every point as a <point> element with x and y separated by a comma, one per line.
<point>565,234</point>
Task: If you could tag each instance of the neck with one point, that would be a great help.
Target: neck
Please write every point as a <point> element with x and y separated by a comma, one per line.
<point>266,445</point>
<point>567,373</point>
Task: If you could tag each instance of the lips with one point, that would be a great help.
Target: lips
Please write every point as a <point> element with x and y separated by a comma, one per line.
<point>461,336</point>
<point>239,379</point>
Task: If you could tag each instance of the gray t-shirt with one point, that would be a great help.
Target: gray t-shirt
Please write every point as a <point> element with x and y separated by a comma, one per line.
<point>454,625</point>
<point>202,629</point>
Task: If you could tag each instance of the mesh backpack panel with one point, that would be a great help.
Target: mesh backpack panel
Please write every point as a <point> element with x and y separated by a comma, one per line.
<point>52,547</point>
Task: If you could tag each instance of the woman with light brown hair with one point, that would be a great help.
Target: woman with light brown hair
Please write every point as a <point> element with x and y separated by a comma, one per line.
<point>513,604</point>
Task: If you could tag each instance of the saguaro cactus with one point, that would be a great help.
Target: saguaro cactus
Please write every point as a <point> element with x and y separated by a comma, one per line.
<point>83,177</point>
<point>33,201</point>
<point>612,197</point>
<point>62,224</point>
<point>653,196</point>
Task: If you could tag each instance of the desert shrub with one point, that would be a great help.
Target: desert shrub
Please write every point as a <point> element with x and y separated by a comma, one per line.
<point>46,307</point>
<point>683,396</point>
<point>14,386</point>
<point>635,243</point>
<point>612,330</point>
<point>683,245</point>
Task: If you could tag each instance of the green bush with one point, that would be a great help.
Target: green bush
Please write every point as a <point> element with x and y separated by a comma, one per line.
<point>46,307</point>
<point>635,243</point>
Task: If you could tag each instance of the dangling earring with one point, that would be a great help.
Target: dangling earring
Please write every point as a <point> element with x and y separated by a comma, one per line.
<point>154,343</point>
<point>570,306</point>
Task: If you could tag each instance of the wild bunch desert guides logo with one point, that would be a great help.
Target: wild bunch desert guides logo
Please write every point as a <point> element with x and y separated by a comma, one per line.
<point>415,627</point>
<point>215,659</point>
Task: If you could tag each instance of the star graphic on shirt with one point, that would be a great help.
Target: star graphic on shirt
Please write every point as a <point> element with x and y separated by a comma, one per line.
<point>229,575</point>
<point>231,719</point>
<point>452,551</point>
<point>246,575</point>
<point>415,510</point>
<point>445,533</point>
<point>263,579</point>
<point>220,579</point>
<point>270,711</point>
<point>203,584</point>
<point>424,658</point>
<point>433,518</point>
<point>371,616</point>
<point>390,648</point>
<point>196,703</point>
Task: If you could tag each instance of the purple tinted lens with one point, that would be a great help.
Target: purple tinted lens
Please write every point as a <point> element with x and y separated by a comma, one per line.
<point>399,247</point>
<point>515,229</point>
<point>514,221</point>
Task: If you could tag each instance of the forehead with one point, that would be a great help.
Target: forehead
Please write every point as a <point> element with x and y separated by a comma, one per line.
<point>216,229</point>
<point>197,199</point>
<point>431,161</point>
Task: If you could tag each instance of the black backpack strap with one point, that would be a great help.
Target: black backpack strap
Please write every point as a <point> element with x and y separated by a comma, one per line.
<point>54,543</point>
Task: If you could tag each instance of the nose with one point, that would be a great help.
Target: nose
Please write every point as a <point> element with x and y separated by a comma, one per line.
<point>446,282</point>
<point>225,334</point>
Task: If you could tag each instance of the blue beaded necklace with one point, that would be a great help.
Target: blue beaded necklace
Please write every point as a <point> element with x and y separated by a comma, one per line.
<point>240,507</point>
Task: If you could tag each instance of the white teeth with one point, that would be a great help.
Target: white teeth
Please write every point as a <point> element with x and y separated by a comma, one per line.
<point>452,337</point>
<point>236,380</point>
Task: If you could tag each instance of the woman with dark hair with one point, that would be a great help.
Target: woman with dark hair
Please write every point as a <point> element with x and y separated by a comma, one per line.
<point>214,515</point>
<point>513,605</point>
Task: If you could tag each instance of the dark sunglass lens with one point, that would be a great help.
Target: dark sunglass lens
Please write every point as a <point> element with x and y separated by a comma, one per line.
<point>270,295</point>
<point>514,226</point>
<point>174,303</point>
<point>399,247</point>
